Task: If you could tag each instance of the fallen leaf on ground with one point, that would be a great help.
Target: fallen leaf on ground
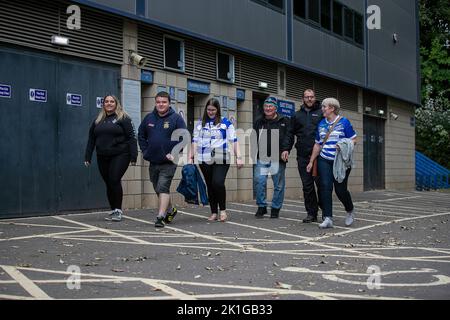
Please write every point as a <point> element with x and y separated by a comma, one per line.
<point>282,285</point>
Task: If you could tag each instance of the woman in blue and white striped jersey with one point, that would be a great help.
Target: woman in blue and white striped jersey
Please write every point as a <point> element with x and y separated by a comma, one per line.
<point>213,136</point>
<point>332,131</point>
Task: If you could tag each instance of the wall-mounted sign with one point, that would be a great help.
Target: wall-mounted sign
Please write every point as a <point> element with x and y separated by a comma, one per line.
<point>147,76</point>
<point>286,108</point>
<point>181,95</point>
<point>38,95</point>
<point>73,99</point>
<point>99,102</point>
<point>198,86</point>
<point>5,91</point>
<point>232,104</point>
<point>240,94</point>
<point>161,89</point>
<point>172,94</point>
<point>131,99</point>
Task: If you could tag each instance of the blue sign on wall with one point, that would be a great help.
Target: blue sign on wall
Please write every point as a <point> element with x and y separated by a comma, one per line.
<point>146,76</point>
<point>198,86</point>
<point>5,91</point>
<point>240,94</point>
<point>38,95</point>
<point>73,99</point>
<point>286,108</point>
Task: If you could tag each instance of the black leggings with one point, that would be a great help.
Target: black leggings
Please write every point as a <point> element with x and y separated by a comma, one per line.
<point>112,170</point>
<point>215,175</point>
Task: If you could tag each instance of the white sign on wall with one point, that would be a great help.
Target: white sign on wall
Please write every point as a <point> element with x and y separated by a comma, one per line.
<point>131,100</point>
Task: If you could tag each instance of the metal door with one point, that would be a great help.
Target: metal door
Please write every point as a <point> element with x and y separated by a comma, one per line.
<point>43,143</point>
<point>80,187</point>
<point>373,153</point>
<point>28,144</point>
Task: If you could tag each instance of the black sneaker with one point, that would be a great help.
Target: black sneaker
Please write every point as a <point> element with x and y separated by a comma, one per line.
<point>159,222</point>
<point>169,216</point>
<point>261,212</point>
<point>274,213</point>
<point>310,218</point>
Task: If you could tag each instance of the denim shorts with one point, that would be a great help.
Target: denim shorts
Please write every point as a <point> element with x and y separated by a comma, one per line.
<point>161,176</point>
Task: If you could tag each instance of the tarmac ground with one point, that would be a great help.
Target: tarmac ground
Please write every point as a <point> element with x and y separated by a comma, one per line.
<point>398,248</point>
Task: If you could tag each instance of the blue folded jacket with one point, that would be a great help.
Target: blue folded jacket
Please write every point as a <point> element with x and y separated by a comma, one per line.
<point>192,184</point>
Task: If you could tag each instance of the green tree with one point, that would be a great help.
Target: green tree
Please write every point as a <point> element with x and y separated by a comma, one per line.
<point>433,117</point>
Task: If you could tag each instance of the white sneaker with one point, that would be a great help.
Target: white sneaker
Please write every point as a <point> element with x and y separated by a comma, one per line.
<point>349,219</point>
<point>117,215</point>
<point>327,223</point>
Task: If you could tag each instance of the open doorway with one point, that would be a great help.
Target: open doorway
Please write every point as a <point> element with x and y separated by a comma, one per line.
<point>258,104</point>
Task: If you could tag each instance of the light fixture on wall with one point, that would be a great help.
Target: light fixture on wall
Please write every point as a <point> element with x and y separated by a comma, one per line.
<point>368,109</point>
<point>381,112</point>
<point>60,40</point>
<point>393,116</point>
<point>263,85</point>
<point>136,59</point>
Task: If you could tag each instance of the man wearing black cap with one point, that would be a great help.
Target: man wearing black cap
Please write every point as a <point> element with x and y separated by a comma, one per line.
<point>303,126</point>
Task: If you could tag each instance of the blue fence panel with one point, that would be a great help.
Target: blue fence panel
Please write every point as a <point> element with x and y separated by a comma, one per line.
<point>430,175</point>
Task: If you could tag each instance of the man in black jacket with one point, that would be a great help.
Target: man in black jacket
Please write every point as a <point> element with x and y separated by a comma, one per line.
<point>304,125</point>
<point>270,127</point>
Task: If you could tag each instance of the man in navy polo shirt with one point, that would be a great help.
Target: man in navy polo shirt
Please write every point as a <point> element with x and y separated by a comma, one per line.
<point>155,141</point>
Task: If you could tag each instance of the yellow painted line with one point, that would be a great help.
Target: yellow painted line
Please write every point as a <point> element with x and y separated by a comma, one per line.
<point>314,294</point>
<point>175,294</point>
<point>47,235</point>
<point>103,230</point>
<point>26,283</point>
<point>199,235</point>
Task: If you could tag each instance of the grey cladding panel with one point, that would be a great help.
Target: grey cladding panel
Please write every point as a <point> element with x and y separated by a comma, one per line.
<point>241,23</point>
<point>328,54</point>
<point>122,5</point>
<point>357,5</point>
<point>393,67</point>
<point>390,78</point>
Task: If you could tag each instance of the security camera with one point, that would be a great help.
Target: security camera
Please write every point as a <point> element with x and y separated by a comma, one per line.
<point>394,116</point>
<point>137,60</point>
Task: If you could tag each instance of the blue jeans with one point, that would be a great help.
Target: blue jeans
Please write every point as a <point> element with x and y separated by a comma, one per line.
<point>260,173</point>
<point>327,181</point>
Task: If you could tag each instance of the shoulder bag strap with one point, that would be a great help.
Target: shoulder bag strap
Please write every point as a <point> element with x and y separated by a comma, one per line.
<point>329,131</point>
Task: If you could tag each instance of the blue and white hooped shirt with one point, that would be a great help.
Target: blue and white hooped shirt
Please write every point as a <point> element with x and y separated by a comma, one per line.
<point>343,129</point>
<point>213,137</point>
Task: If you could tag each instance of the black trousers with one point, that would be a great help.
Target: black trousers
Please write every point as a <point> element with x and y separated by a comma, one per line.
<point>311,198</point>
<point>215,175</point>
<point>112,169</point>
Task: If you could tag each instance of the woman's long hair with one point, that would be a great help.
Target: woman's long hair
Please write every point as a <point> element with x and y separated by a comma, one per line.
<point>119,110</point>
<point>215,103</point>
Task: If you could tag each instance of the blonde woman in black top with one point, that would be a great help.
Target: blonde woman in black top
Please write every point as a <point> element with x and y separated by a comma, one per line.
<point>112,135</point>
